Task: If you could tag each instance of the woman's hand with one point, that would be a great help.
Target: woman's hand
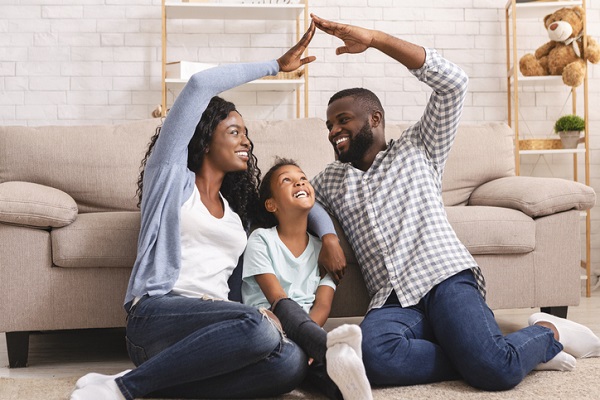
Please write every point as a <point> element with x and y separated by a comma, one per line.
<point>292,60</point>
<point>356,39</point>
<point>332,257</point>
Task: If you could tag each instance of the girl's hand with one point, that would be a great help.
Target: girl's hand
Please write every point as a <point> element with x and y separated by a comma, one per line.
<point>292,60</point>
<point>356,39</point>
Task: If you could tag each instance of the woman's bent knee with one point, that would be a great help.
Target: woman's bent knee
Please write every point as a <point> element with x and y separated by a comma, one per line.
<point>270,327</point>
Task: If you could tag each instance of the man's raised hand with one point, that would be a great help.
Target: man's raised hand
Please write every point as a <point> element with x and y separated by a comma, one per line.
<point>356,39</point>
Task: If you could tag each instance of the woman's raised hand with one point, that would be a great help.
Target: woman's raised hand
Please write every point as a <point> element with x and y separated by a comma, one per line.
<point>356,39</point>
<point>292,59</point>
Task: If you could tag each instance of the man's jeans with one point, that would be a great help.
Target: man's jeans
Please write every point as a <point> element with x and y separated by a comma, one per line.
<point>196,348</point>
<point>450,334</point>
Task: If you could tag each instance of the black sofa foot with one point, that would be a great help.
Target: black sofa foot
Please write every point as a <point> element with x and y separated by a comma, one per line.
<point>17,346</point>
<point>560,311</point>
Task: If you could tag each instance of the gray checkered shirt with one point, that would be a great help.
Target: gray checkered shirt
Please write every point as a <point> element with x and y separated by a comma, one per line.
<point>393,214</point>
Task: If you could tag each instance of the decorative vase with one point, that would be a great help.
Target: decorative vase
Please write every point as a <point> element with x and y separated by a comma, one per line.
<point>569,139</point>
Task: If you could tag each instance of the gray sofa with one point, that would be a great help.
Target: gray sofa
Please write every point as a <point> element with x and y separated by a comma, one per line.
<point>69,222</point>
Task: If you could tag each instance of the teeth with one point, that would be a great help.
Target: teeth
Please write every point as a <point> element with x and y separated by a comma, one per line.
<point>242,153</point>
<point>340,140</point>
<point>300,194</point>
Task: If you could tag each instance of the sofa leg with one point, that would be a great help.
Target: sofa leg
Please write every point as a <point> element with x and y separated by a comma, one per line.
<point>560,311</point>
<point>17,346</point>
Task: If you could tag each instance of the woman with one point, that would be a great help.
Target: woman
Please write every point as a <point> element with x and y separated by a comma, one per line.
<point>186,339</point>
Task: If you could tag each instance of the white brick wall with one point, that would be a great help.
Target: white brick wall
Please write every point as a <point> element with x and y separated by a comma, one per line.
<point>98,61</point>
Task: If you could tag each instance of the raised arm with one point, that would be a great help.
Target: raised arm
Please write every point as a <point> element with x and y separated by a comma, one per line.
<point>437,127</point>
<point>180,124</point>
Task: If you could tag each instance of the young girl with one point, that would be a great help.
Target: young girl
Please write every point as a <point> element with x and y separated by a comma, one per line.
<point>281,273</point>
<point>199,190</point>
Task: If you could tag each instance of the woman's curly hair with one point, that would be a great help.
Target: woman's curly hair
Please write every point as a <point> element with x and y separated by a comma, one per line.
<point>239,188</point>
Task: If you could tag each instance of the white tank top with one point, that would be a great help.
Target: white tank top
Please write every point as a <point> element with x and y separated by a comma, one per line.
<point>210,249</point>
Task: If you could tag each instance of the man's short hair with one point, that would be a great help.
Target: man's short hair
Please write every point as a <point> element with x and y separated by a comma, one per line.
<point>367,99</point>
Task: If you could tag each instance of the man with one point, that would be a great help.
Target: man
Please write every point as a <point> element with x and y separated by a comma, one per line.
<point>427,319</point>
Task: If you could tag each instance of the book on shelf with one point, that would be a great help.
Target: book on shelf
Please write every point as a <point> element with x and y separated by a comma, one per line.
<point>185,69</point>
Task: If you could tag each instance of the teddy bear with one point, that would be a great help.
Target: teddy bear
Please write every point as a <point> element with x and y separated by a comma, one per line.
<point>563,54</point>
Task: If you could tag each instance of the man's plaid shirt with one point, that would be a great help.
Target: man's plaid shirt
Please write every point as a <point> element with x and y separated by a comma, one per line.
<point>393,214</point>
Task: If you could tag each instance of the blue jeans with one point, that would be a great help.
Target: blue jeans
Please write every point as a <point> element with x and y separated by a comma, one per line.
<point>195,348</point>
<point>450,334</point>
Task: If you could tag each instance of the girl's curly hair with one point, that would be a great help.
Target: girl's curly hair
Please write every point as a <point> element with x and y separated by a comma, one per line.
<point>265,218</point>
<point>239,188</point>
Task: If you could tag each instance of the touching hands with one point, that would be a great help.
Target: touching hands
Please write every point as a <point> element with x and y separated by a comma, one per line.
<point>356,39</point>
<point>292,59</point>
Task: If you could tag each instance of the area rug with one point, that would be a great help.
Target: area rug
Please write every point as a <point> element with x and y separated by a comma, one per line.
<point>583,383</point>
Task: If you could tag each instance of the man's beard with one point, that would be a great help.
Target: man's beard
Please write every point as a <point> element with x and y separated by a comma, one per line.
<point>359,144</point>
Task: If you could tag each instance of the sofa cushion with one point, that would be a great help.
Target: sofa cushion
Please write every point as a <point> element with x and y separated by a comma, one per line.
<point>30,204</point>
<point>492,230</point>
<point>107,239</point>
<point>480,153</point>
<point>535,196</point>
<point>97,165</point>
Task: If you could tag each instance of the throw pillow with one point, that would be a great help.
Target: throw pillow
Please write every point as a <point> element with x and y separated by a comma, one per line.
<point>33,205</point>
<point>534,196</point>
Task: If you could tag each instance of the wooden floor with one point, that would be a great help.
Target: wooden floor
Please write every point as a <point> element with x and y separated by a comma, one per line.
<point>74,353</point>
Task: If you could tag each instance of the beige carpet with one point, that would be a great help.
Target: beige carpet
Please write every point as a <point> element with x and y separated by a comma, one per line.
<point>583,383</point>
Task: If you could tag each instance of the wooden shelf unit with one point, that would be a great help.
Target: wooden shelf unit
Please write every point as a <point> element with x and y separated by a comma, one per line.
<point>239,11</point>
<point>536,10</point>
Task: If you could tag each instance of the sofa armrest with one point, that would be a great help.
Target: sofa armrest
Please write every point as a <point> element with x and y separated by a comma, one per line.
<point>37,206</point>
<point>534,196</point>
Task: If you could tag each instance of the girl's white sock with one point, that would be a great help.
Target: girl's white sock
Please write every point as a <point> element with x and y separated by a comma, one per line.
<point>561,362</point>
<point>349,334</point>
<point>96,378</point>
<point>346,369</point>
<point>577,340</point>
<point>105,390</point>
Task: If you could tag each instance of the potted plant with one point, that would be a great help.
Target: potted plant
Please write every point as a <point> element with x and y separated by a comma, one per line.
<point>569,129</point>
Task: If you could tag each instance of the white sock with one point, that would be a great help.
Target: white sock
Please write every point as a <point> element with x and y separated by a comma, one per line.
<point>96,378</point>
<point>349,334</point>
<point>106,390</point>
<point>561,362</point>
<point>577,340</point>
<point>346,369</point>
